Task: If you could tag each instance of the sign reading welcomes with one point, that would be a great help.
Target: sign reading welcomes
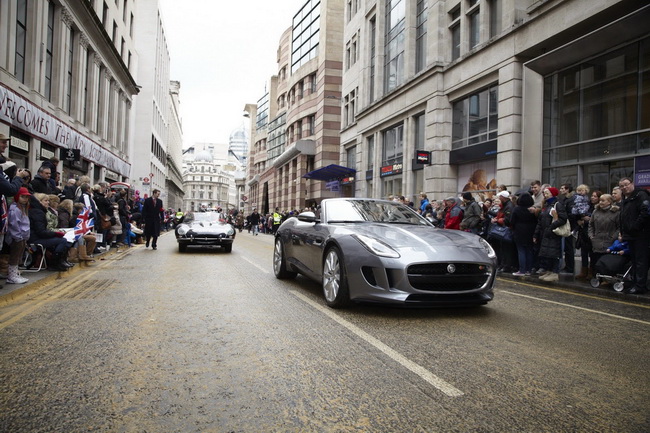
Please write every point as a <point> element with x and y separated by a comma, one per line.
<point>22,114</point>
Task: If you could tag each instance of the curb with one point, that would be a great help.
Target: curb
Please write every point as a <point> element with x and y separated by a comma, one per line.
<point>569,283</point>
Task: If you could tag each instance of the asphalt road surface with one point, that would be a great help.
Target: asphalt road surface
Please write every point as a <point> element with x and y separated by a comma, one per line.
<point>205,341</point>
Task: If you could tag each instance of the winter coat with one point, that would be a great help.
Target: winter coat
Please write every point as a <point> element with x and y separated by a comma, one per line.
<point>18,227</point>
<point>38,222</point>
<point>152,214</point>
<point>550,243</point>
<point>604,228</point>
<point>453,217</point>
<point>523,222</point>
<point>471,216</point>
<point>635,220</point>
<point>65,219</point>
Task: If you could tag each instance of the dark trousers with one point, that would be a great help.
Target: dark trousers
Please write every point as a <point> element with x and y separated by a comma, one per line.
<point>569,254</point>
<point>639,255</point>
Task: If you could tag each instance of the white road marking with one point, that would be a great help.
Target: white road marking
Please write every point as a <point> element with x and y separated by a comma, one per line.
<point>266,271</point>
<point>425,374</point>
<point>577,308</point>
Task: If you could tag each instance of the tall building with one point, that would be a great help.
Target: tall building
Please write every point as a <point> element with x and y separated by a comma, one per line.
<point>295,125</point>
<point>209,178</point>
<point>174,178</point>
<point>447,96</point>
<point>149,154</point>
<point>66,85</point>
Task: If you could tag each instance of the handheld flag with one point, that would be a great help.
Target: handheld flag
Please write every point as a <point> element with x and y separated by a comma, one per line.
<point>84,223</point>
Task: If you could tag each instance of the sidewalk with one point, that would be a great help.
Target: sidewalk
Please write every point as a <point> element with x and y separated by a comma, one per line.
<point>11,292</point>
<point>569,282</point>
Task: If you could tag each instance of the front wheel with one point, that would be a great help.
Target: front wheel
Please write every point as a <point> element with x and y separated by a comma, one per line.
<point>227,248</point>
<point>335,282</point>
<point>182,248</point>
<point>280,262</point>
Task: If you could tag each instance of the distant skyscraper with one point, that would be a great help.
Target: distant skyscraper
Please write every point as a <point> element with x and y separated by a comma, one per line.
<point>238,144</point>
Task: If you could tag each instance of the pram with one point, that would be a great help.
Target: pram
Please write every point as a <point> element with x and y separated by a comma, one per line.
<point>614,269</point>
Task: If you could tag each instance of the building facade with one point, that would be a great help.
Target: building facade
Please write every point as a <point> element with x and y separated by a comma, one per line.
<point>295,126</point>
<point>174,165</point>
<point>447,96</point>
<point>67,86</point>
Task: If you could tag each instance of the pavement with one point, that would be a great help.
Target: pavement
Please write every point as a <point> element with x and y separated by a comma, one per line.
<point>11,292</point>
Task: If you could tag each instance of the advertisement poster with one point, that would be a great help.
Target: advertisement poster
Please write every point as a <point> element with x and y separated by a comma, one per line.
<point>479,178</point>
<point>642,171</point>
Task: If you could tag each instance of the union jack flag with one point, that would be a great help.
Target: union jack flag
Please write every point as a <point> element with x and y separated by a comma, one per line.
<point>84,223</point>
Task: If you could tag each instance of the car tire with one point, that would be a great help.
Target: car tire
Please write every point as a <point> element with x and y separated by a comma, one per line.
<point>227,248</point>
<point>335,281</point>
<point>182,248</point>
<point>280,262</point>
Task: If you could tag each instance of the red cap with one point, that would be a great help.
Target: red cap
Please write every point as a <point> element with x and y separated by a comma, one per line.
<point>21,191</point>
<point>553,190</point>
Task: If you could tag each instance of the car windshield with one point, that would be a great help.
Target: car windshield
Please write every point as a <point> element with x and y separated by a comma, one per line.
<point>211,217</point>
<point>371,211</point>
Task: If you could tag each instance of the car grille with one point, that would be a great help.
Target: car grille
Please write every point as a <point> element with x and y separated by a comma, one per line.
<point>210,236</point>
<point>437,276</point>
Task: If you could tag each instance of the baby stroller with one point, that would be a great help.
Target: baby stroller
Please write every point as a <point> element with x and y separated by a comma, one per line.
<point>614,269</point>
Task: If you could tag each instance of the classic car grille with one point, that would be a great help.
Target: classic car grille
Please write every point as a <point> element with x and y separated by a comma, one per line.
<point>436,276</point>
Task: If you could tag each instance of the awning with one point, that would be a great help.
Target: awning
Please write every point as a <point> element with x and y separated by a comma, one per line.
<point>119,185</point>
<point>331,172</point>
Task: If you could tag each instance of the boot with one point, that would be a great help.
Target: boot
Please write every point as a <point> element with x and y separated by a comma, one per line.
<point>584,273</point>
<point>89,245</point>
<point>550,277</point>
<point>57,263</point>
<point>14,277</point>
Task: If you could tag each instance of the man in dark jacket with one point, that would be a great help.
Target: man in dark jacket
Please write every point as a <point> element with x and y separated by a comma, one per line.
<point>41,182</point>
<point>153,214</point>
<point>635,229</point>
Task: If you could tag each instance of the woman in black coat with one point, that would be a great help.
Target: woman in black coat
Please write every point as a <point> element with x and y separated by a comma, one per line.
<point>524,223</point>
<point>553,215</point>
<point>39,233</point>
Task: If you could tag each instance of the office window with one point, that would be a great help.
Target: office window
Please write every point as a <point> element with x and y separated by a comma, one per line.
<point>69,67</point>
<point>394,48</point>
<point>474,28</point>
<point>475,118</point>
<point>105,14</point>
<point>21,40</point>
<point>371,152</point>
<point>454,28</point>
<point>49,47</point>
<point>373,36</point>
<point>351,157</point>
<point>495,17</point>
<point>393,145</point>
<point>421,36</point>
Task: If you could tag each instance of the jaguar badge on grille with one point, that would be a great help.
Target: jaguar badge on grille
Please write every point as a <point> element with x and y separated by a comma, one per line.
<point>451,268</point>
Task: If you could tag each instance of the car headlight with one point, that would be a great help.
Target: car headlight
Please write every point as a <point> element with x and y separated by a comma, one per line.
<point>487,247</point>
<point>231,232</point>
<point>183,229</point>
<point>376,247</point>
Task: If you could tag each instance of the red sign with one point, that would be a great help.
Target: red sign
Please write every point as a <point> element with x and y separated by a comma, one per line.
<point>146,179</point>
<point>244,198</point>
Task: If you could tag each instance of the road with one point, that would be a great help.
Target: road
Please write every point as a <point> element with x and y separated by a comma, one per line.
<point>157,341</point>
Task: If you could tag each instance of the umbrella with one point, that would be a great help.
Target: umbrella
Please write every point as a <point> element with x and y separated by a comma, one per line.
<point>119,185</point>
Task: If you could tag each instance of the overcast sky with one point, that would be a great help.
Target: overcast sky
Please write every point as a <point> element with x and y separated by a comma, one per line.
<point>223,53</point>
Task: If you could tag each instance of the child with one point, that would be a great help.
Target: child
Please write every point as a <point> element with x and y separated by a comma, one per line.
<point>581,202</point>
<point>18,230</point>
<point>619,247</point>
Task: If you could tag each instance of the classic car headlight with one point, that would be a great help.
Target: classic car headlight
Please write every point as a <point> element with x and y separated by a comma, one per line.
<point>183,229</point>
<point>376,247</point>
<point>487,247</point>
<point>231,232</point>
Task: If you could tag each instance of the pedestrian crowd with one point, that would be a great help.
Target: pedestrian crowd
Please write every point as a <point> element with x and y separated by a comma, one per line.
<point>60,225</point>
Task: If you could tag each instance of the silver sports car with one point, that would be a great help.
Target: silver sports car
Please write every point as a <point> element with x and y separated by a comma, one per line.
<point>205,229</point>
<point>367,250</point>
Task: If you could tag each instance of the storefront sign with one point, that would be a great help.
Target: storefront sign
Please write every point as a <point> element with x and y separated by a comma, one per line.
<point>642,171</point>
<point>332,186</point>
<point>111,175</point>
<point>19,144</point>
<point>22,114</point>
<point>423,157</point>
<point>70,155</point>
<point>388,170</point>
<point>347,180</point>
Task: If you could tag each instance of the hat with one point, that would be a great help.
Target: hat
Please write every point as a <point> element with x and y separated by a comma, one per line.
<point>451,198</point>
<point>4,137</point>
<point>7,165</point>
<point>467,196</point>
<point>553,190</point>
<point>505,194</point>
<point>21,191</point>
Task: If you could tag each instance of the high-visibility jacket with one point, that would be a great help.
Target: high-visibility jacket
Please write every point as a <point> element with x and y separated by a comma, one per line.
<point>277,218</point>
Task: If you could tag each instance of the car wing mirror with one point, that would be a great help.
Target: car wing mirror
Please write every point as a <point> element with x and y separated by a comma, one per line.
<point>307,217</point>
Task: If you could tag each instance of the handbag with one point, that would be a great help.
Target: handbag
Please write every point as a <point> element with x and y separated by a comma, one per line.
<point>500,233</point>
<point>563,230</point>
<point>106,223</point>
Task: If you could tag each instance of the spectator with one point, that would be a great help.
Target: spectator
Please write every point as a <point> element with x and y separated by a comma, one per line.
<point>553,215</point>
<point>505,250</point>
<point>582,239</point>
<point>50,239</point>
<point>617,197</point>
<point>41,182</point>
<point>17,234</point>
<point>635,229</point>
<point>53,212</point>
<point>523,224</point>
<point>472,214</point>
<point>604,227</point>
<point>537,193</point>
<point>424,201</point>
<point>254,222</point>
<point>567,197</point>
<point>453,214</point>
<point>70,189</point>
<point>65,214</point>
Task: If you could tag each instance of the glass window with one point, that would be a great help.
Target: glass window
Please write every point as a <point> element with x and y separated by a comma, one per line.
<point>475,118</point>
<point>455,42</point>
<point>495,17</point>
<point>421,36</point>
<point>393,145</point>
<point>371,152</point>
<point>351,157</point>
<point>373,35</point>
<point>474,29</point>
<point>394,48</point>
<point>21,40</point>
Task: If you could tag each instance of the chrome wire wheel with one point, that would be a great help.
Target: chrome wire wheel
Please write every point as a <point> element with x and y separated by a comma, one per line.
<point>331,276</point>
